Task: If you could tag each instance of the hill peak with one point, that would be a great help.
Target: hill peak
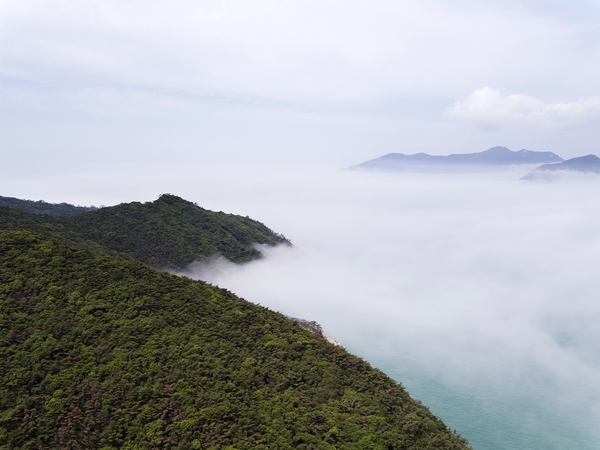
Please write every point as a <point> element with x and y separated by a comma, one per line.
<point>584,164</point>
<point>168,232</point>
<point>171,199</point>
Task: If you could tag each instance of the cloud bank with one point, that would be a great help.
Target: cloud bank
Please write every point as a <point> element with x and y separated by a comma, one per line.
<point>478,292</point>
<point>487,106</point>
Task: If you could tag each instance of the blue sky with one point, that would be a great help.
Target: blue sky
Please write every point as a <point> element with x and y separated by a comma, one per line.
<point>328,83</point>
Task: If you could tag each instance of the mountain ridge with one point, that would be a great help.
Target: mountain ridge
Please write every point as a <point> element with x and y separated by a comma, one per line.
<point>495,156</point>
<point>169,232</point>
<point>583,164</point>
<point>43,207</point>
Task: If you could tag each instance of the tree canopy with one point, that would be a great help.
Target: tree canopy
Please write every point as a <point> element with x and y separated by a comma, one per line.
<point>42,207</point>
<point>102,352</point>
<point>169,232</point>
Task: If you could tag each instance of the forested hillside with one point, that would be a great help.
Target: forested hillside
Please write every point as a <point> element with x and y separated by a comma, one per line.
<point>101,352</point>
<point>169,232</point>
<point>42,207</point>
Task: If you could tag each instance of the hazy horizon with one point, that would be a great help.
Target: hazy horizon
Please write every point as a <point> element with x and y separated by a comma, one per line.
<point>110,84</point>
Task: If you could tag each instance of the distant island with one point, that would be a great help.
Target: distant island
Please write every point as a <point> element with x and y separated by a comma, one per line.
<point>100,350</point>
<point>422,162</point>
<point>581,164</point>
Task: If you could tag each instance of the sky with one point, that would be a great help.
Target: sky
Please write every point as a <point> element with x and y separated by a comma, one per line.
<point>477,291</point>
<point>104,84</point>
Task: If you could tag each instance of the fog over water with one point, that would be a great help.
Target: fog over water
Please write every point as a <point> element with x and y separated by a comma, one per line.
<point>479,292</point>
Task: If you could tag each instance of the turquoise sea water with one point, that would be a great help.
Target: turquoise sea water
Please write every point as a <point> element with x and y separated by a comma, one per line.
<point>493,420</point>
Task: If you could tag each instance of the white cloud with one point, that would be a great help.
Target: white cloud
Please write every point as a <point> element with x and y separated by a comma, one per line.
<point>487,106</point>
<point>484,284</point>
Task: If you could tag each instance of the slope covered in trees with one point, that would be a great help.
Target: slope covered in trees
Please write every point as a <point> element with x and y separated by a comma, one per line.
<point>42,207</point>
<point>101,352</point>
<point>169,232</point>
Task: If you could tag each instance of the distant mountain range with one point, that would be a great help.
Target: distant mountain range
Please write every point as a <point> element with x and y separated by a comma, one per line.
<point>422,162</point>
<point>584,164</point>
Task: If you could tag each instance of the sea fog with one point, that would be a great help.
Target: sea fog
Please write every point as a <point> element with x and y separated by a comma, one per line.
<point>478,292</point>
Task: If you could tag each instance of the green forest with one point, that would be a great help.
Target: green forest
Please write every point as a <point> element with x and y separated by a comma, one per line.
<point>42,207</point>
<point>167,233</point>
<point>105,352</point>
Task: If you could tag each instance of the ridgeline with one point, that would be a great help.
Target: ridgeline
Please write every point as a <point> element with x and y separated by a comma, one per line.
<point>588,164</point>
<point>42,207</point>
<point>169,232</point>
<point>459,162</point>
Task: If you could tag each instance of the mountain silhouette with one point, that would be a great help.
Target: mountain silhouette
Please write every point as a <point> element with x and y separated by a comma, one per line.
<point>495,156</point>
<point>584,164</point>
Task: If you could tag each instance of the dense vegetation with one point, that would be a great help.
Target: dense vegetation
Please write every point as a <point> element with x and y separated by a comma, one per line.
<point>169,232</point>
<point>42,207</point>
<point>101,352</point>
